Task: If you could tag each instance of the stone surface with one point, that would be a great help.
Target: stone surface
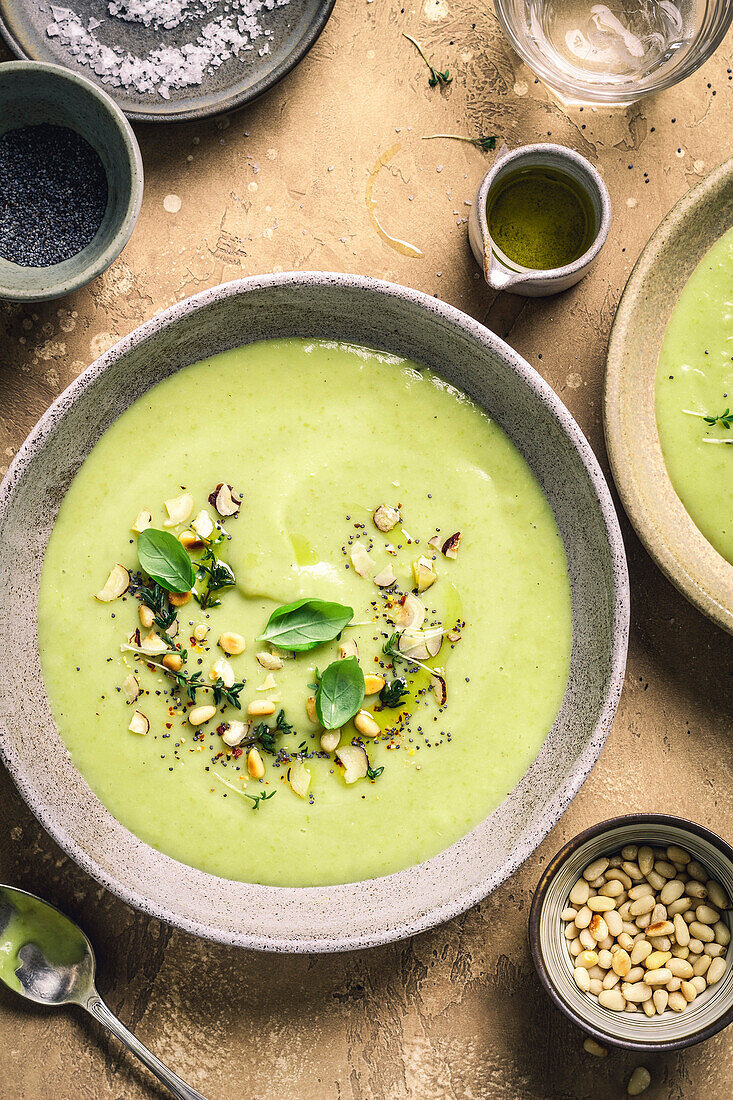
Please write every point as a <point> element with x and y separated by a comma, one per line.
<point>455,1013</point>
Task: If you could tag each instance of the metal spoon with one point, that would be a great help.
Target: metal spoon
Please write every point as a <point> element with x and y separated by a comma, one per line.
<point>50,983</point>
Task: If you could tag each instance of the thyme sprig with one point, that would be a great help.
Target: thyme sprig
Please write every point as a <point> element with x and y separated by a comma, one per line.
<point>154,596</point>
<point>392,693</point>
<point>264,735</point>
<point>485,142</point>
<point>258,798</point>
<point>723,420</point>
<point>436,76</point>
<point>189,685</point>
<point>214,574</point>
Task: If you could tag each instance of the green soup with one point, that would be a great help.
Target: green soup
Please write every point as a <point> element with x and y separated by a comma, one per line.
<point>316,436</point>
<point>694,396</point>
<point>31,922</point>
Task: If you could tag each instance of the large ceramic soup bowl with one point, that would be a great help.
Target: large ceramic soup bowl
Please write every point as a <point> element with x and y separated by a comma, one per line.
<point>405,323</point>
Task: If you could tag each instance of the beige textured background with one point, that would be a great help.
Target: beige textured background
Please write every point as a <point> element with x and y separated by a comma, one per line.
<point>457,1012</point>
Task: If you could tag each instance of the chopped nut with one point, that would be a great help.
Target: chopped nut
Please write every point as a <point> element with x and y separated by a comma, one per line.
<point>270,661</point>
<point>179,599</point>
<point>412,612</point>
<point>439,688</point>
<point>199,715</point>
<point>390,548</point>
<point>179,510</point>
<point>203,525</point>
<point>330,740</point>
<point>234,732</point>
<point>268,684</point>
<point>131,688</point>
<point>365,724</point>
<point>454,635</point>
<point>200,631</point>
<point>222,670</point>
<point>260,708</point>
<point>373,684</point>
<point>451,544</point>
<point>386,577</point>
<point>435,542</point>
<point>385,518</point>
<point>299,778</point>
<point>361,561</point>
<point>255,765</point>
<point>310,709</point>
<point>152,644</point>
<point>423,573</point>
<point>139,723</point>
<point>115,586</point>
<point>173,661</point>
<point>232,643</point>
<point>189,540</point>
<point>143,521</point>
<point>172,630</point>
<point>225,500</point>
<point>146,616</point>
<point>349,648</point>
<point>355,762</point>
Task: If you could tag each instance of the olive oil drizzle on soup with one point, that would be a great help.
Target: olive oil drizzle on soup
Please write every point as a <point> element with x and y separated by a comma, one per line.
<point>353,466</point>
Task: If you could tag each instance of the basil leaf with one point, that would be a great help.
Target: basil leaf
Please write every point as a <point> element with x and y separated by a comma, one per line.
<point>165,561</point>
<point>306,623</point>
<point>340,693</point>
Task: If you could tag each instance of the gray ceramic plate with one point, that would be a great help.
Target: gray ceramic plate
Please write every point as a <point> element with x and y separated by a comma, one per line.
<point>674,251</point>
<point>294,28</point>
<point>398,320</point>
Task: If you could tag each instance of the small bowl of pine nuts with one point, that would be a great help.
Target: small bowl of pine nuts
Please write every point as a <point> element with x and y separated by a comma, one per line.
<point>630,931</point>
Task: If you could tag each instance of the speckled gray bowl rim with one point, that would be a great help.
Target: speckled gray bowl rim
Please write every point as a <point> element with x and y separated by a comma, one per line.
<point>461,898</point>
<point>561,151</point>
<point>101,261</point>
<point>659,517</point>
<point>540,893</point>
<point>224,101</point>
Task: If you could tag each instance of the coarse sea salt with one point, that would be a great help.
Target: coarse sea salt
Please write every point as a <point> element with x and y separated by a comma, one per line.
<point>166,67</point>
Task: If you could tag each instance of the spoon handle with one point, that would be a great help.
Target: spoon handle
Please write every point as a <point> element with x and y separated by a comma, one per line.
<point>99,1010</point>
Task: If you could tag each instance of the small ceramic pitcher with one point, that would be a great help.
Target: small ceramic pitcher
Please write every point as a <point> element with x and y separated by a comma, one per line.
<point>529,281</point>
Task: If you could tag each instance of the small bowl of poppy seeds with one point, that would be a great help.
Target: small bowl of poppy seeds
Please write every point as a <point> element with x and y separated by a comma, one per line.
<point>71,181</point>
<point>630,932</point>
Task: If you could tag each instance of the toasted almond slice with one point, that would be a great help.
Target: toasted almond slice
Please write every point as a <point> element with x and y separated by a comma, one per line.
<point>203,524</point>
<point>349,648</point>
<point>271,661</point>
<point>139,723</point>
<point>436,542</point>
<point>222,670</point>
<point>115,586</point>
<point>355,762</point>
<point>131,687</point>
<point>385,518</point>
<point>268,684</point>
<point>172,630</point>
<point>386,577</point>
<point>451,544</point>
<point>235,732</point>
<point>299,778</point>
<point>179,510</point>
<point>423,573</point>
<point>143,521</point>
<point>146,616</point>
<point>225,500</point>
<point>361,561</point>
<point>152,644</point>
<point>412,612</point>
<point>438,687</point>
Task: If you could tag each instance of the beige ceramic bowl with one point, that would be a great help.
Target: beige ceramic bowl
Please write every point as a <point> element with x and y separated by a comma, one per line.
<point>680,550</point>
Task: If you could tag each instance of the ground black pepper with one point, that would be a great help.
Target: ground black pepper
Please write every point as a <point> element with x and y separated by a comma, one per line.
<point>53,194</point>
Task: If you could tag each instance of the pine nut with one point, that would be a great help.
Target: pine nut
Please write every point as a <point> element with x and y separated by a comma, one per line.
<point>582,978</point>
<point>660,943</point>
<point>255,765</point>
<point>641,951</point>
<point>617,875</point>
<point>590,1046</point>
<point>611,889</point>
<point>696,946</point>
<point>611,979</point>
<point>697,871</point>
<point>173,661</point>
<point>569,914</point>
<point>680,906</point>
<point>645,859</point>
<point>714,950</point>
<point>576,947</point>
<point>677,1002</point>
<point>147,618</point>
<point>665,869</point>
<point>366,726</point>
<point>615,923</point>
<point>677,855</point>
<point>635,974</point>
<point>199,715</point>
<point>681,931</point>
<point>593,870</point>
<point>707,915</point>
<point>696,890</point>
<point>232,644</point>
<point>643,890</point>
<point>657,959</point>
<point>200,631</point>
<point>583,917</point>
<point>632,871</point>
<point>624,910</point>
<point>587,940</point>
<point>716,970</point>
<point>673,984</point>
<point>579,893</point>
<point>722,933</point>
<point>702,966</point>
<point>605,958</point>
<point>680,968</point>
<point>671,891</point>
<point>701,931</point>
<point>655,880</point>
<point>649,1009</point>
<point>717,894</point>
<point>600,904</point>
<point>613,999</point>
<point>179,599</point>
<point>587,959</point>
<point>680,952</point>
<point>637,992</point>
<point>630,852</point>
<point>595,986</point>
<point>643,921</point>
<point>659,913</point>
<point>260,708</point>
<point>699,983</point>
<point>642,905</point>
<point>630,929</point>
<point>658,977</point>
<point>660,928</point>
<point>639,1081</point>
<point>660,998</point>
<point>688,991</point>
